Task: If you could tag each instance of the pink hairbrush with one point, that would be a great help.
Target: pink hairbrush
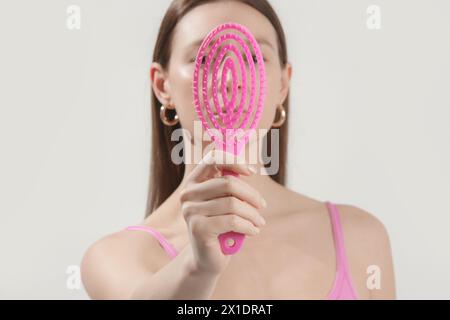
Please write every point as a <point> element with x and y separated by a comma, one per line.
<point>230,130</point>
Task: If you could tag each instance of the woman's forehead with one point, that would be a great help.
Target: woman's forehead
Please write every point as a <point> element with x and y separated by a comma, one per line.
<point>196,25</point>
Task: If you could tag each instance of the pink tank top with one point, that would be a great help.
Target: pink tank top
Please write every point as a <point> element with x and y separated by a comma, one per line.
<point>342,288</point>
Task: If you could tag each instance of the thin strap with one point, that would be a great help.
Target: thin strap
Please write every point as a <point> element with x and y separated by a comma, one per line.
<point>342,268</point>
<point>341,257</point>
<point>162,241</point>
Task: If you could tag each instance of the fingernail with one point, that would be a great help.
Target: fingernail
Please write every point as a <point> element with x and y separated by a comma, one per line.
<point>252,169</point>
<point>264,203</point>
<point>263,221</point>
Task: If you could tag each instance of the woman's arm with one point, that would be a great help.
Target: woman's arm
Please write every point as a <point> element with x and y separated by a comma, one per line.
<point>122,266</point>
<point>177,280</point>
<point>111,269</point>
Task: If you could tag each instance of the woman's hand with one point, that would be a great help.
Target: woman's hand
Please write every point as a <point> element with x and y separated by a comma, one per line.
<point>213,204</point>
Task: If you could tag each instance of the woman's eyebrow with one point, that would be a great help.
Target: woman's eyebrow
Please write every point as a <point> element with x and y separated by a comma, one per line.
<point>261,41</point>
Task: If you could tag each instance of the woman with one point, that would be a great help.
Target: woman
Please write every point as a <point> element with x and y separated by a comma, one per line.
<point>296,247</point>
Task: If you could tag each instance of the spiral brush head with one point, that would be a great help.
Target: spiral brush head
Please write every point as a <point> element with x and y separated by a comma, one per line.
<point>229,121</point>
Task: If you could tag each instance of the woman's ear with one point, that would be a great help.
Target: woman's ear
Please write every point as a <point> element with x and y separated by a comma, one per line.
<point>160,83</point>
<point>286,76</point>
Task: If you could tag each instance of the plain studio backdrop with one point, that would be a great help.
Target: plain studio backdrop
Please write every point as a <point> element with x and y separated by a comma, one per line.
<point>371,109</point>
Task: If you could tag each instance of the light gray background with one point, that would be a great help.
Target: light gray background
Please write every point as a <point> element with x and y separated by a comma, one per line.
<point>371,110</point>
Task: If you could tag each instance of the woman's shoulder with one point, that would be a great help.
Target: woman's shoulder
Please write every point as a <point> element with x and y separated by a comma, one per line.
<point>112,265</point>
<point>359,221</point>
<point>354,219</point>
<point>359,225</point>
<point>366,241</point>
<point>369,252</point>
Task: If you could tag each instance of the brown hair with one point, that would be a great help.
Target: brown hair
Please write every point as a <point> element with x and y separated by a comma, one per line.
<point>162,184</point>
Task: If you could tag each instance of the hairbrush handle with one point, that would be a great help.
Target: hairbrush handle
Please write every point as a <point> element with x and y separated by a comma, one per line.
<point>230,242</point>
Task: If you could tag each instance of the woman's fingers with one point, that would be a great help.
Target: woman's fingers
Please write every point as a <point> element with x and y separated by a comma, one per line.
<point>215,162</point>
<point>223,206</point>
<point>214,204</point>
<point>215,225</point>
<point>223,187</point>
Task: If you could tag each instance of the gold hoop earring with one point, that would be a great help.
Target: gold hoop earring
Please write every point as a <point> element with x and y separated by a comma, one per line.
<point>282,119</point>
<point>163,115</point>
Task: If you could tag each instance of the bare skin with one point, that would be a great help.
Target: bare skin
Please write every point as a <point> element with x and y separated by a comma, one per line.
<point>292,257</point>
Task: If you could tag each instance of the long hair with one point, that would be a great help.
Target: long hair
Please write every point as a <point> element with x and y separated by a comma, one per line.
<point>161,183</point>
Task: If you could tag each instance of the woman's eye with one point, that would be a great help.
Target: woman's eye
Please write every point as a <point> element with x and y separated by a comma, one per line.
<point>202,62</point>
<point>255,59</point>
